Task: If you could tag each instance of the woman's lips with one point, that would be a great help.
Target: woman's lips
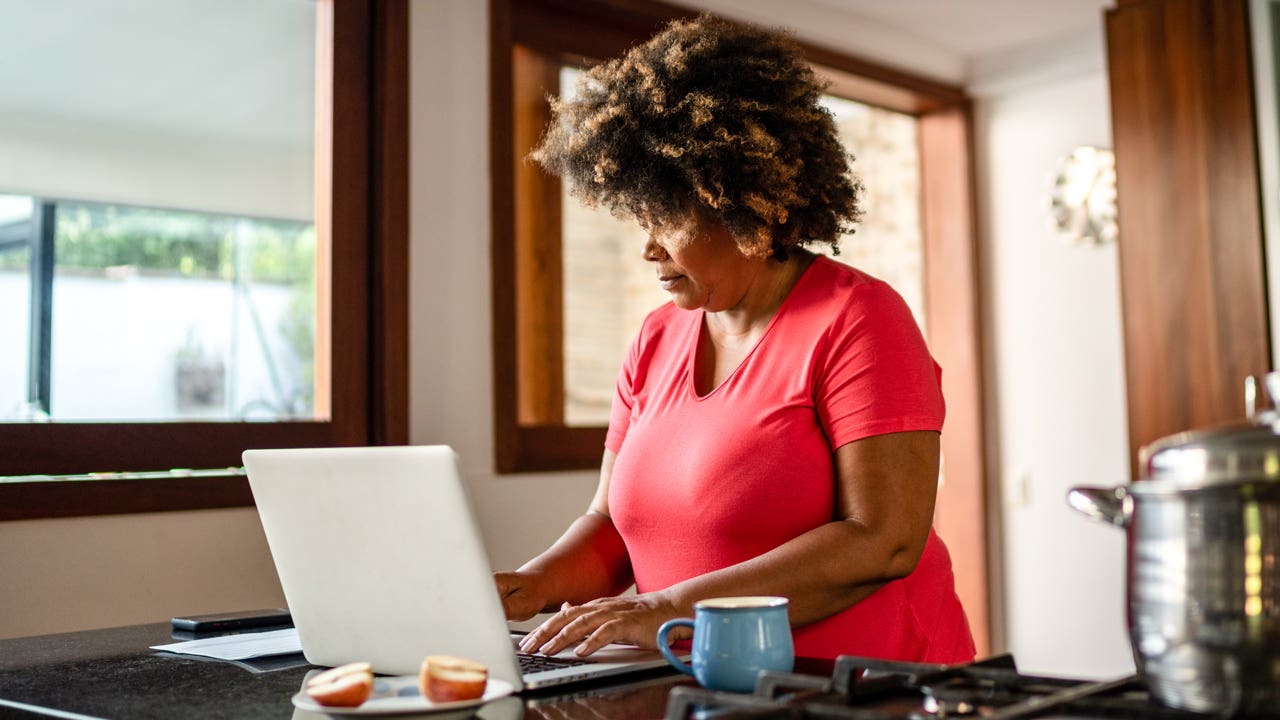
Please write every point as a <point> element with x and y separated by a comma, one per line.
<point>669,281</point>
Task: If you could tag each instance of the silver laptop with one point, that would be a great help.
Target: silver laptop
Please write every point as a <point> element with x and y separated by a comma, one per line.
<point>381,560</point>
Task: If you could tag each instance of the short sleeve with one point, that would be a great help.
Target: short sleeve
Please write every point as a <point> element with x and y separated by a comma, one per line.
<point>877,375</point>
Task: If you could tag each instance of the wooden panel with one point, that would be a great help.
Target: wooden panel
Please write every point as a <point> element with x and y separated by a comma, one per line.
<point>598,29</point>
<point>552,447</point>
<point>32,500</point>
<point>72,448</point>
<point>352,221</point>
<point>76,448</point>
<point>389,424</point>
<point>539,258</point>
<point>1191,266</point>
<point>882,86</point>
<point>502,265</point>
<point>947,218</point>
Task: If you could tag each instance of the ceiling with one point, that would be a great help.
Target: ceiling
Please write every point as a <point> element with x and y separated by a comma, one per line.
<point>242,70</point>
<point>973,28</point>
<point>239,70</point>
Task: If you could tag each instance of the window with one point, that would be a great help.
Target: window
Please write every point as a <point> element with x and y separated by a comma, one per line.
<point>569,293</point>
<point>241,274</point>
<point>151,314</point>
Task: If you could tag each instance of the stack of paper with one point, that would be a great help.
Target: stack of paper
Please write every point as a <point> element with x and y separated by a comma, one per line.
<point>241,646</point>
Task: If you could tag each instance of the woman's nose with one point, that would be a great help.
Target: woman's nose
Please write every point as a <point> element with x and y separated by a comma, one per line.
<point>653,251</point>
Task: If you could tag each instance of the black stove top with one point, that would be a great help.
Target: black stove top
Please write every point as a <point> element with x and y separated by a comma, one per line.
<point>868,689</point>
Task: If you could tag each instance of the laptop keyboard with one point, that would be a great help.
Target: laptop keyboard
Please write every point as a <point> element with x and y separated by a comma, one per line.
<point>538,663</point>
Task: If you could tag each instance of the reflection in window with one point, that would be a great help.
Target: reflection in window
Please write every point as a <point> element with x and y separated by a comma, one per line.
<point>122,310</point>
<point>608,288</point>
<point>157,315</point>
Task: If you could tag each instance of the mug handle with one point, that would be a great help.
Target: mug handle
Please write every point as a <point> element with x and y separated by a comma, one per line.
<point>664,646</point>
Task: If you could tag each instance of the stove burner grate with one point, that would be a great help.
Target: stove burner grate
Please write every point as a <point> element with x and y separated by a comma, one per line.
<point>870,689</point>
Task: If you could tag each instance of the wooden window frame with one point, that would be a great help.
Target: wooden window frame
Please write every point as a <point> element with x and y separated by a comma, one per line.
<point>362,118</point>
<point>526,256</point>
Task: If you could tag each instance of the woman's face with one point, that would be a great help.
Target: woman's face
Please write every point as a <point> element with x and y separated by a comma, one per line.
<point>700,265</point>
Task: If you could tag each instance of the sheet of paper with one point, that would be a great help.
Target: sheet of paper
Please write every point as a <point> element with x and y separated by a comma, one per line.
<point>241,646</point>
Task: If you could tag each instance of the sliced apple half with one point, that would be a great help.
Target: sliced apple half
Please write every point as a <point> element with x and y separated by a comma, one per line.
<point>343,686</point>
<point>445,678</point>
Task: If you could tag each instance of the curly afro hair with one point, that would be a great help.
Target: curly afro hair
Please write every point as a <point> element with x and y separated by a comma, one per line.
<point>708,120</point>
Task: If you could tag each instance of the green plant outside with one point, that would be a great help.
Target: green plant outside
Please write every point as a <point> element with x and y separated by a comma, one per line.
<point>92,237</point>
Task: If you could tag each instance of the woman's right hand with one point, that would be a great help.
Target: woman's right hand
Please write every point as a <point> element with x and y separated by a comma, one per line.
<point>520,600</point>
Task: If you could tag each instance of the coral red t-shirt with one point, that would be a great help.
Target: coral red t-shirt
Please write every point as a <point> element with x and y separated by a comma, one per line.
<point>701,483</point>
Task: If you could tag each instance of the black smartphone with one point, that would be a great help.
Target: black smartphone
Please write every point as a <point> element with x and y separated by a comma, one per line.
<point>237,620</point>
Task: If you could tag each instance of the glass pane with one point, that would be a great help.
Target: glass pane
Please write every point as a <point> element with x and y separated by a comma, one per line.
<point>175,141</point>
<point>888,243</point>
<point>608,290</point>
<point>160,314</point>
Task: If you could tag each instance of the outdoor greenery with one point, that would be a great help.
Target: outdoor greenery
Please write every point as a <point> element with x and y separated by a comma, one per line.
<point>101,238</point>
<point>91,236</point>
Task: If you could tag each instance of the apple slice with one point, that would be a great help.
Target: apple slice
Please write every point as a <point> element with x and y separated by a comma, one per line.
<point>445,678</point>
<point>343,686</point>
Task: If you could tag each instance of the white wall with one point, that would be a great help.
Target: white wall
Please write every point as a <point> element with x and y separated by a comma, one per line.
<point>77,573</point>
<point>451,389</point>
<point>1055,363</point>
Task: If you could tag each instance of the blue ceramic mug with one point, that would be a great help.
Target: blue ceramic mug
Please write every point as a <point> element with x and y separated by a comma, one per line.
<point>734,638</point>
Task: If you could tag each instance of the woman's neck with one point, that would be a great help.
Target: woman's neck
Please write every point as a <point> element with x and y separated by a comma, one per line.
<point>766,292</point>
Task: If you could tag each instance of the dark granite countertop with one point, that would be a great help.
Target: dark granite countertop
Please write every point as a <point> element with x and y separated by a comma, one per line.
<point>113,673</point>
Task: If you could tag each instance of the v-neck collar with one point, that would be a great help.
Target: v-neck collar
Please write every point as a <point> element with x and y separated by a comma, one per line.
<point>699,326</point>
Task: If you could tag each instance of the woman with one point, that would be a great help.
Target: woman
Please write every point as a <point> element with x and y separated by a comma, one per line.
<point>775,428</point>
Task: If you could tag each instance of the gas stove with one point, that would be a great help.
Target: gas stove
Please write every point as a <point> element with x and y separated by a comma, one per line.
<point>869,689</point>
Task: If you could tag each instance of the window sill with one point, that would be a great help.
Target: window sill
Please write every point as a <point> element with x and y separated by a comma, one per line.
<point>547,448</point>
<point>31,497</point>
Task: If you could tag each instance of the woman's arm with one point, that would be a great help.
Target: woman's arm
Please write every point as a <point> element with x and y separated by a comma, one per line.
<point>587,562</point>
<point>886,488</point>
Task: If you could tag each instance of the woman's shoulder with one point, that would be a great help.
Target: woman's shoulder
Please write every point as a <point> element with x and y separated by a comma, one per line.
<point>661,318</point>
<point>661,322</point>
<point>843,286</point>
<point>841,304</point>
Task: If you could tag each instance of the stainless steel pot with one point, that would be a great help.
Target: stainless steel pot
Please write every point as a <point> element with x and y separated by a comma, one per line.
<point>1203,586</point>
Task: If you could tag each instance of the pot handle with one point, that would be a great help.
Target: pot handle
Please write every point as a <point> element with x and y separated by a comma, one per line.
<point>1111,505</point>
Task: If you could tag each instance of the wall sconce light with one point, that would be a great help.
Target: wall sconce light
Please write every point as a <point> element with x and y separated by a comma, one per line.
<point>1082,196</point>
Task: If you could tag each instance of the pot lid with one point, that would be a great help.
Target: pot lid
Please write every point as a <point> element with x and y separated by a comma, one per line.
<point>1230,453</point>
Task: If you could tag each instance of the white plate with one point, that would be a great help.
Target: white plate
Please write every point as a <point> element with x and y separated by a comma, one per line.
<point>399,695</point>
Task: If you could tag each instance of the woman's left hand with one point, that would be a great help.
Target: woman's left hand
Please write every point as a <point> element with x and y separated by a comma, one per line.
<point>632,620</point>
